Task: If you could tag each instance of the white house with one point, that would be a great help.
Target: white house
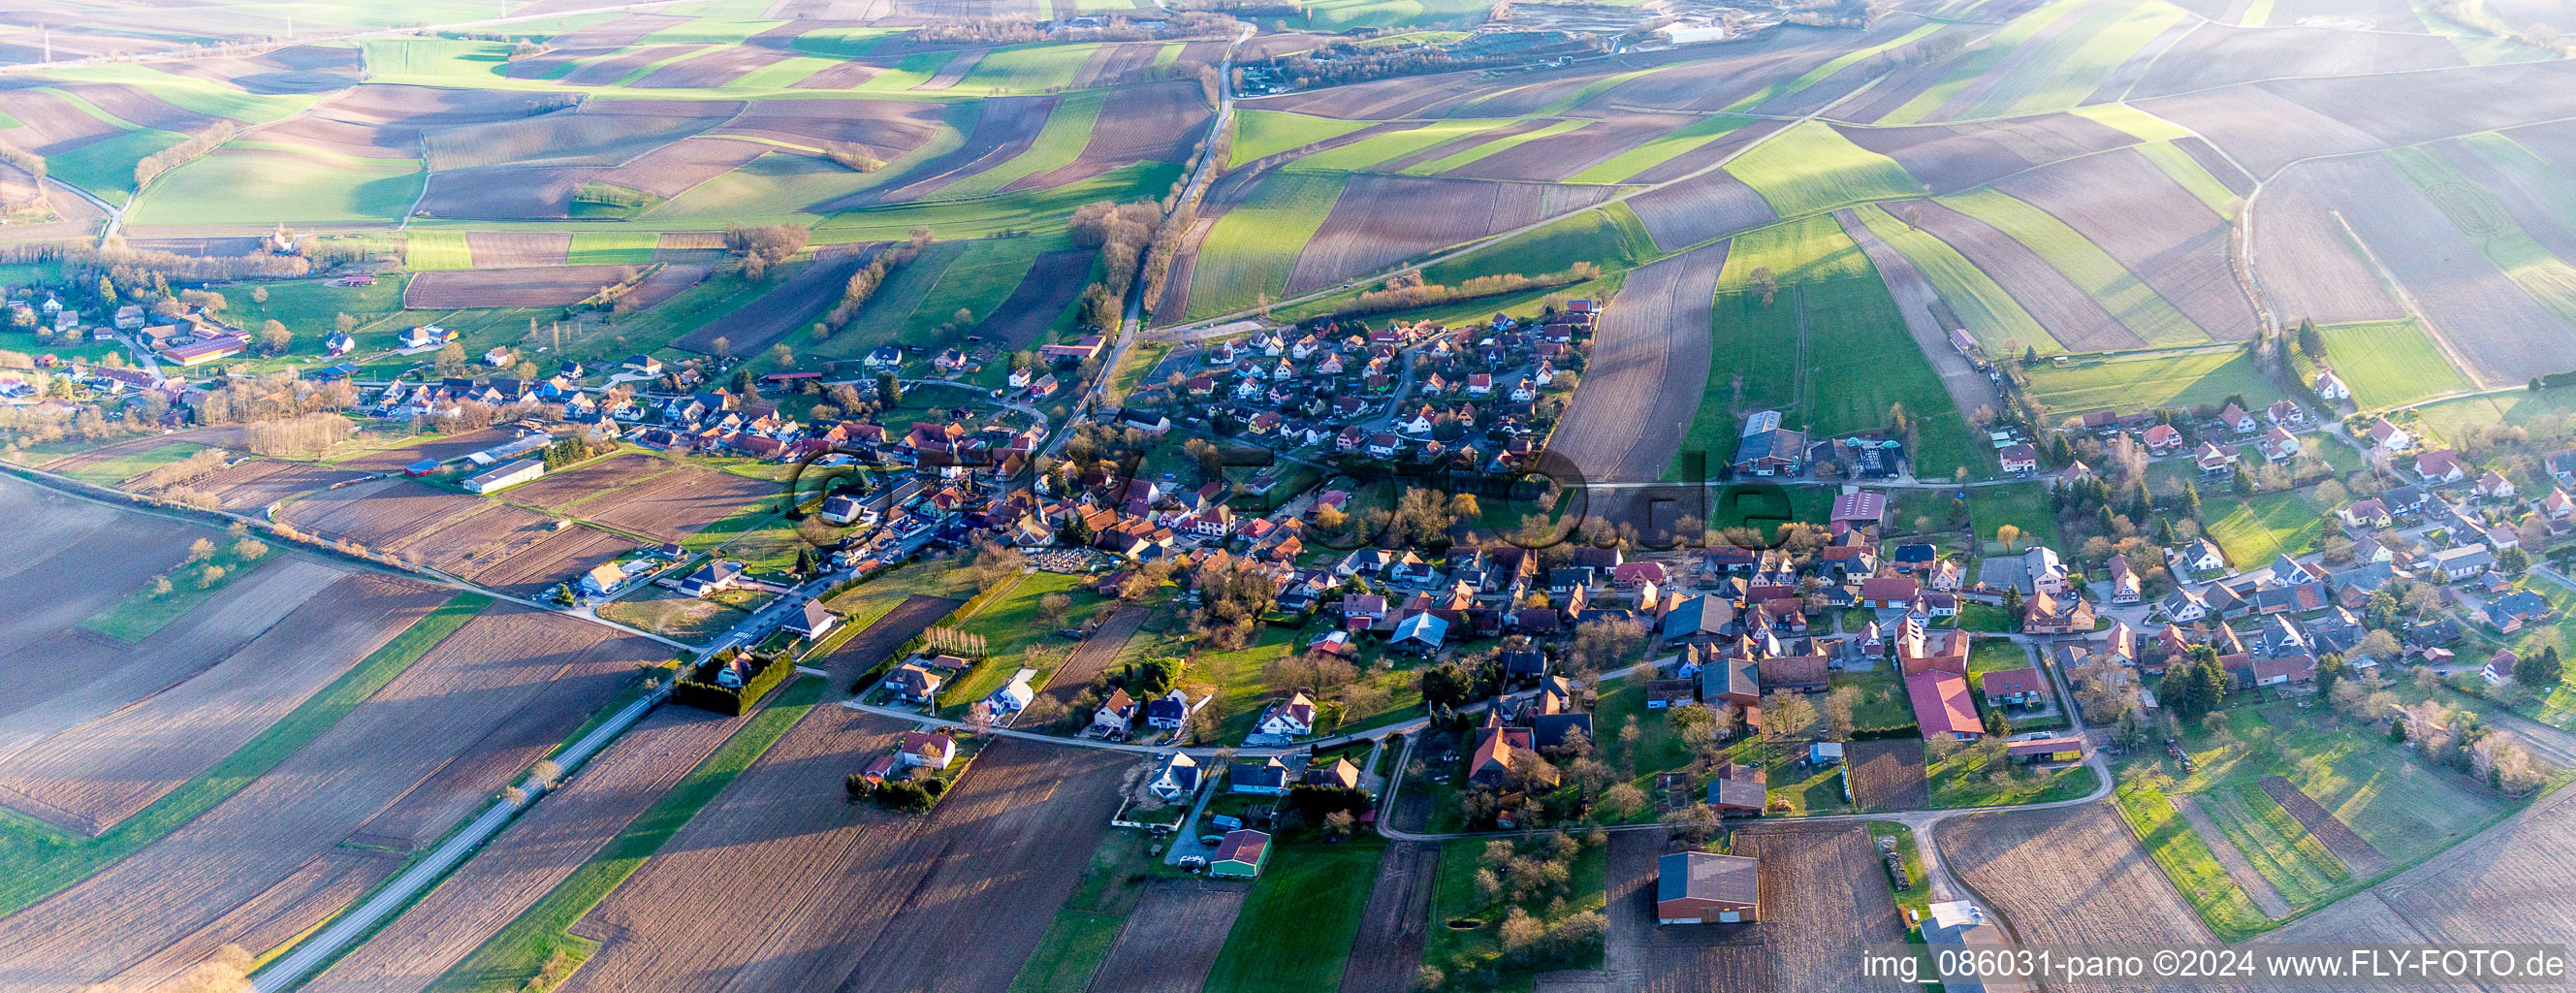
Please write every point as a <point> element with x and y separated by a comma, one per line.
<point>1178,776</point>
<point>1293,719</point>
<point>927,750</point>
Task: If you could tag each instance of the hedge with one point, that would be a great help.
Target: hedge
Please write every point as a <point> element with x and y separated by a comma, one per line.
<point>773,670</point>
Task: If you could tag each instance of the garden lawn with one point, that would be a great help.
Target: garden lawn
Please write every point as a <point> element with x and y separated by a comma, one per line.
<point>1249,252</point>
<point>2278,846</point>
<point>1811,169</point>
<point>1262,133</point>
<point>2084,263</point>
<point>2258,529</point>
<point>1988,311</point>
<point>1955,785</point>
<point>523,948</point>
<point>1465,951</point>
<point>2390,363</point>
<point>2023,505</point>
<point>1794,355</point>
<point>2201,378</point>
<point>42,860</point>
<point>1296,927</point>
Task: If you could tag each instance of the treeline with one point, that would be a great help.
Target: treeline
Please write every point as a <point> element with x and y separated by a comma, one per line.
<point>1348,62</point>
<point>1247,8</point>
<point>854,159</point>
<point>1121,231</point>
<point>1017,30</point>
<point>27,162</point>
<point>302,436</point>
<point>759,248</point>
<point>863,284</point>
<point>611,195</point>
<point>196,144</point>
<point>1408,291</point>
<point>271,398</point>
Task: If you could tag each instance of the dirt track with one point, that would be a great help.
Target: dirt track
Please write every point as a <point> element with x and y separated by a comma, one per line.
<point>1650,362</point>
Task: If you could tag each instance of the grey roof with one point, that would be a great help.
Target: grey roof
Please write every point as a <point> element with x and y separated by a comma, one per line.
<point>1778,444</point>
<point>1708,876</point>
<point>1699,615</point>
<point>1748,793</point>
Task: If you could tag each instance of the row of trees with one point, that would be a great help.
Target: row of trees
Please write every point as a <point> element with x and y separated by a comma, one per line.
<point>1407,291</point>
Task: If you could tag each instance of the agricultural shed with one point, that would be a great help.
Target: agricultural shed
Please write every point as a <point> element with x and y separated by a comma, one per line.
<point>1241,855</point>
<point>1707,888</point>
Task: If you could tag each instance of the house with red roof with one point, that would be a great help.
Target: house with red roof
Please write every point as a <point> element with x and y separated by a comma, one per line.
<point>1941,705</point>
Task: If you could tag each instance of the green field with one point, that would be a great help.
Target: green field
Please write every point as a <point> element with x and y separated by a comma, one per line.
<point>2187,860</point>
<point>106,166</point>
<point>2487,224</point>
<point>1295,931</point>
<point>119,468</point>
<point>2147,382</point>
<point>1811,169</point>
<point>1263,133</point>
<point>1826,71</point>
<point>2261,528</point>
<point>1985,308</point>
<point>2390,363</point>
<point>1487,149</point>
<point>1466,950</point>
<point>1661,149</point>
<point>612,248</point>
<point>2187,172</point>
<point>1366,153</point>
<point>266,187</point>
<point>143,612</point>
<point>2062,71</point>
<point>1793,355</point>
<point>204,96</point>
<point>2022,505</point>
<point>1067,130</point>
<point>2292,860</point>
<point>1250,251</point>
<point>431,251</point>
<point>1978,61</point>
<point>2084,263</point>
<point>42,860</point>
<point>1611,237</point>
<point>1037,68</point>
<point>1343,15</point>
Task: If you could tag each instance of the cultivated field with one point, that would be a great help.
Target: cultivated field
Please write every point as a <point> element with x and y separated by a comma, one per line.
<point>676,504</point>
<point>377,513</point>
<point>1381,220</point>
<point>1172,938</point>
<point>1887,775</point>
<point>257,847</point>
<point>1650,354</point>
<point>260,482</point>
<point>545,286</point>
<point>1824,898</point>
<point>1393,925</point>
<point>2072,875</point>
<point>93,775</point>
<point>556,557</point>
<point>808,891</point>
<point>1096,653</point>
<point>537,851</point>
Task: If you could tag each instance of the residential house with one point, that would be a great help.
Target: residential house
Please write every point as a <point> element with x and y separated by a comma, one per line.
<point>2019,459</point>
<point>2023,687</point>
<point>927,750</point>
<point>1115,715</point>
<point>2330,387</point>
<point>1941,705</point>
<point>2441,466</point>
<point>2387,437</point>
<point>1177,776</point>
<point>1294,718</point>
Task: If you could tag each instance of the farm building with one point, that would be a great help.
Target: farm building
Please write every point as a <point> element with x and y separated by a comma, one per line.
<point>1707,888</point>
<point>2064,749</point>
<point>506,476</point>
<point>1241,855</point>
<point>204,350</point>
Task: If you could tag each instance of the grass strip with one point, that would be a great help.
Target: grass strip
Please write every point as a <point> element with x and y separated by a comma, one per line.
<point>42,860</point>
<point>144,612</point>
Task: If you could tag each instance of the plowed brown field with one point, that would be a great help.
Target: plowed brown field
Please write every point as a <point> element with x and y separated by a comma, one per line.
<point>1650,362</point>
<point>1172,938</point>
<point>1381,220</point>
<point>677,504</point>
<point>377,513</point>
<point>2156,229</point>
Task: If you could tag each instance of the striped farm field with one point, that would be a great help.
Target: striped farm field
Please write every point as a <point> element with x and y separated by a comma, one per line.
<point>431,251</point>
<point>1984,307</point>
<point>1488,149</point>
<point>2060,71</point>
<point>1250,251</point>
<point>1261,133</point>
<point>1980,62</point>
<point>1068,128</point>
<point>2188,173</point>
<point>2146,382</point>
<point>1380,149</point>
<point>2389,363</point>
<point>1826,71</point>
<point>1659,150</point>
<point>1813,169</point>
<point>2130,300</point>
<point>2487,224</point>
<point>1830,305</point>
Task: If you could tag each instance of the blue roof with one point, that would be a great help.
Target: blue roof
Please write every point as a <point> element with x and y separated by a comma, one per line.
<point>1428,627</point>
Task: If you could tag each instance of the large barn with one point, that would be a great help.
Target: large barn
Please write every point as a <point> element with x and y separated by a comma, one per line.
<point>1707,888</point>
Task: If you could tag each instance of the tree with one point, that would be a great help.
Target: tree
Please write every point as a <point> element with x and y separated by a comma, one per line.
<point>274,337</point>
<point>889,389</point>
<point>1998,725</point>
<point>1840,705</point>
<point>1444,687</point>
<point>2513,561</point>
<point>2311,343</point>
<point>1786,715</point>
<point>1623,801</point>
<point>2539,670</point>
<point>1053,606</point>
<point>2006,534</point>
<point>1765,284</point>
